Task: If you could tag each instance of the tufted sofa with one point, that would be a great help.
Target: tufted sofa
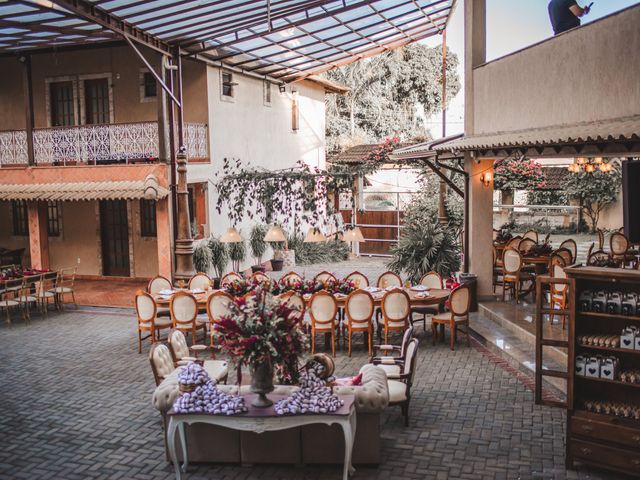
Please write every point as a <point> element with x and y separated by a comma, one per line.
<point>309,444</point>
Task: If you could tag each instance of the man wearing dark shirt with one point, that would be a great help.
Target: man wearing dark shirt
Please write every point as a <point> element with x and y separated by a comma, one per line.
<point>565,15</point>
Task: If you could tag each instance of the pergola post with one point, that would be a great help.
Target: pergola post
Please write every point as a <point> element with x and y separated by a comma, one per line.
<point>38,234</point>
<point>480,195</point>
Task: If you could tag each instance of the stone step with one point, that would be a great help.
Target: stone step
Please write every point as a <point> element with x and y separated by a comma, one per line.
<point>517,346</point>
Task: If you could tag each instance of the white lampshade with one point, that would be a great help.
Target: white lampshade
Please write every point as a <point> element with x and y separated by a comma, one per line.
<point>275,234</point>
<point>314,236</point>
<point>231,236</point>
<point>353,235</point>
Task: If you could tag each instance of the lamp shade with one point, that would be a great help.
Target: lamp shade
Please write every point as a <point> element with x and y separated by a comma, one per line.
<point>314,236</point>
<point>353,235</point>
<point>275,234</point>
<point>231,236</point>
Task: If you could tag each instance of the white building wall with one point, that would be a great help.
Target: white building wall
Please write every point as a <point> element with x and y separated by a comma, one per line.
<point>260,135</point>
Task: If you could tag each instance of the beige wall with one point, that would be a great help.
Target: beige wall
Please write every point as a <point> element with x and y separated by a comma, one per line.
<point>124,67</point>
<point>78,239</point>
<point>590,73</point>
<point>145,249</point>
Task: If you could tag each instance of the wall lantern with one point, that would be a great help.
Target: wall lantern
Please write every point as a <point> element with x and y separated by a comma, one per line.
<point>486,178</point>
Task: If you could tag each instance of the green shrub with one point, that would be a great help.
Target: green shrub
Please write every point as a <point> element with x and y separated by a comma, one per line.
<point>219,256</point>
<point>256,242</point>
<point>322,252</point>
<point>201,257</point>
<point>237,254</point>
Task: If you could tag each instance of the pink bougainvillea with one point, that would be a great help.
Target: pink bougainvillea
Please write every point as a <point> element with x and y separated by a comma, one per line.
<point>519,174</point>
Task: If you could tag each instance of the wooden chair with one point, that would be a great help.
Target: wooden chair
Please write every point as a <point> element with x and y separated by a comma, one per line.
<point>184,312</point>
<point>218,305</point>
<point>429,280</point>
<point>620,249</point>
<point>200,281</point>
<point>572,246</point>
<point>359,311</point>
<point>65,286</point>
<point>161,362</point>
<point>44,291</point>
<point>325,277</point>
<point>260,277</point>
<point>387,361</point>
<point>514,276</point>
<point>457,316</point>
<point>532,235</point>
<point>181,354</point>
<point>396,309</point>
<point>9,296</point>
<point>148,321</point>
<point>389,279</point>
<point>360,280</point>
<point>599,257</point>
<point>566,255</point>
<point>158,283</point>
<point>514,242</point>
<point>230,278</point>
<point>559,292</point>
<point>26,297</point>
<point>322,310</point>
<point>526,244</point>
<point>600,234</point>
<point>291,278</point>
<point>498,269</point>
<point>400,388</point>
<point>294,299</point>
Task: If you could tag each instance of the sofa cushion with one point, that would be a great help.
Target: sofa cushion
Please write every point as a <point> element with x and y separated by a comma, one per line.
<point>372,394</point>
<point>397,391</point>
<point>392,371</point>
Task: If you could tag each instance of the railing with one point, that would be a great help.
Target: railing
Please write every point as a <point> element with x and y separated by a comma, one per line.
<point>542,218</point>
<point>93,144</point>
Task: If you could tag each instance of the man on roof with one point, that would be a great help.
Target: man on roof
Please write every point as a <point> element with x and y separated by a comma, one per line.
<point>566,14</point>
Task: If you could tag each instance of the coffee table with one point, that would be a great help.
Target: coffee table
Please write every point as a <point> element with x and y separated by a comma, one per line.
<point>260,420</point>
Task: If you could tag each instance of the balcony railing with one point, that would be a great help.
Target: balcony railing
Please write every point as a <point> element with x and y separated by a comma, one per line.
<point>94,144</point>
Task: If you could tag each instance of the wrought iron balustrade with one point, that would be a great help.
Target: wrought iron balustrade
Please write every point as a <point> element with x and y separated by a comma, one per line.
<point>95,144</point>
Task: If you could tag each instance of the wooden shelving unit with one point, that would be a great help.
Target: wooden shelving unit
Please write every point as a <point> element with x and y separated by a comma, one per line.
<point>605,441</point>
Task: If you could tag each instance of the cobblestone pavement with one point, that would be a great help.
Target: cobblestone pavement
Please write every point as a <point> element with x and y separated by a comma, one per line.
<point>76,399</point>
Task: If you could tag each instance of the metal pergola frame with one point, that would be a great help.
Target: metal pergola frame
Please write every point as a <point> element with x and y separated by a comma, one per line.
<point>283,40</point>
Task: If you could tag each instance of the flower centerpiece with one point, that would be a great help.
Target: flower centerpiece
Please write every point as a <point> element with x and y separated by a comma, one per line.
<point>266,335</point>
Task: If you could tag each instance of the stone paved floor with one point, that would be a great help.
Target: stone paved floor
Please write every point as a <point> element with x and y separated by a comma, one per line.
<point>76,405</point>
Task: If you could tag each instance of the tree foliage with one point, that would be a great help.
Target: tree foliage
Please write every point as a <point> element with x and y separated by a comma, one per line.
<point>518,173</point>
<point>391,95</point>
<point>595,191</point>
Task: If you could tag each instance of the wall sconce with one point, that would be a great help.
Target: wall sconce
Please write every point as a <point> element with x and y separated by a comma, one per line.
<point>486,178</point>
<point>282,87</point>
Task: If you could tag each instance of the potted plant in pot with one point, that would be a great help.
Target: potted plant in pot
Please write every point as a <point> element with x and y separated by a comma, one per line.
<point>266,335</point>
<point>278,240</point>
<point>237,254</point>
<point>258,246</point>
<point>201,257</point>
<point>219,259</point>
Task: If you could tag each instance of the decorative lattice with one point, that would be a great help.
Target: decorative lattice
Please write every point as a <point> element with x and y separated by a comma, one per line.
<point>13,147</point>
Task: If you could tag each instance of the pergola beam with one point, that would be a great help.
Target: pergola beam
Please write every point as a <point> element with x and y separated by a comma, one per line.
<point>92,13</point>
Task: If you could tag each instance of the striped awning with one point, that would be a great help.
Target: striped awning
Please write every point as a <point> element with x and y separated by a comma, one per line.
<point>75,191</point>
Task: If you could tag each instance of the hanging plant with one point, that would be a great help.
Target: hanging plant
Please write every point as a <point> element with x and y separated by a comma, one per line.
<point>298,194</point>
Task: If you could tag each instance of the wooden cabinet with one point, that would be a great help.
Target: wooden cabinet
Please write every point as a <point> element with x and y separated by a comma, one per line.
<point>603,417</point>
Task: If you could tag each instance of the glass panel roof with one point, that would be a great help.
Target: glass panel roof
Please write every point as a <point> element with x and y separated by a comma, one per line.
<point>281,38</point>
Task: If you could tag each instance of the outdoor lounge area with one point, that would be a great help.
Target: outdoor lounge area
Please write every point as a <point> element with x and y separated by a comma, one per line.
<point>319,239</point>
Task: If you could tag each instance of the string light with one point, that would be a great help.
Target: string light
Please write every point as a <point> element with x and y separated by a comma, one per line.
<point>589,165</point>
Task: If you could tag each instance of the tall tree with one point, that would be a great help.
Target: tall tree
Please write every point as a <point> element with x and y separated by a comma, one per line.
<point>595,191</point>
<point>391,95</point>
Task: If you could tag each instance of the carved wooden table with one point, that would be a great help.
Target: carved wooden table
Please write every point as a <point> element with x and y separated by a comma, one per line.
<point>260,420</point>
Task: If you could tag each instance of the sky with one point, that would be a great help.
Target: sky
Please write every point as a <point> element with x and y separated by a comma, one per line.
<point>511,25</point>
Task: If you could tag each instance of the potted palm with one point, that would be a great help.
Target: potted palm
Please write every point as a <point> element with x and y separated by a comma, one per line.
<point>237,254</point>
<point>219,259</point>
<point>202,257</point>
<point>258,246</point>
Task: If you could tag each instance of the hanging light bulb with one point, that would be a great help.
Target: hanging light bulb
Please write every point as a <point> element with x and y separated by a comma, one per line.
<point>589,168</point>
<point>581,160</point>
<point>597,160</point>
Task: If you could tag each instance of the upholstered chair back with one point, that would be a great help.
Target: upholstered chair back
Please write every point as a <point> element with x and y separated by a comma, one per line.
<point>184,309</point>
<point>406,336</point>
<point>218,305</point>
<point>511,261</point>
<point>389,279</point>
<point>323,307</point>
<point>410,357</point>
<point>531,234</point>
<point>294,300</point>
<point>570,245</point>
<point>359,307</point>
<point>360,280</point>
<point>260,277</point>
<point>619,243</point>
<point>514,242</point>
<point>431,280</point>
<point>526,244</point>
<point>396,307</point>
<point>230,278</point>
<point>161,362</point>
<point>557,271</point>
<point>145,307</point>
<point>460,301</point>
<point>158,283</point>
<point>566,255</point>
<point>291,278</point>
<point>178,345</point>
<point>324,277</point>
<point>200,280</point>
